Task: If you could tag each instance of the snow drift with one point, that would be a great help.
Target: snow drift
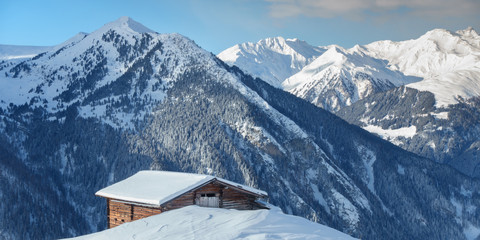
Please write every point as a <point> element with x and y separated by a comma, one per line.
<point>195,222</point>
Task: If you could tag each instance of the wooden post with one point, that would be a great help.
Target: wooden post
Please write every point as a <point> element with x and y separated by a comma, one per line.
<point>131,212</point>
<point>108,213</point>
<point>220,204</point>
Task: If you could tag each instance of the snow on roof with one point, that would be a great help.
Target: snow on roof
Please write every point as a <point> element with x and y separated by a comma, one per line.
<point>158,187</point>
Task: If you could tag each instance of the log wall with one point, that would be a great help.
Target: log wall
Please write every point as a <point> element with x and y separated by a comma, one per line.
<point>233,199</point>
<point>140,212</point>
<point>184,200</point>
<point>121,212</point>
<point>118,213</point>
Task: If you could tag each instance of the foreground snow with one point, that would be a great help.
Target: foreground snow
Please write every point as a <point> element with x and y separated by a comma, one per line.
<point>215,223</point>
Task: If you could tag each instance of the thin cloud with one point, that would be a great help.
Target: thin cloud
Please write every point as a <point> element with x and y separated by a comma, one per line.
<point>368,8</point>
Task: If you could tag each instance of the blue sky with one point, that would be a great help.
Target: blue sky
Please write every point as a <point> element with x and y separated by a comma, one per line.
<point>218,24</point>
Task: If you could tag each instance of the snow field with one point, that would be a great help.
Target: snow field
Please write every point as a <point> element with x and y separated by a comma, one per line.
<point>195,222</point>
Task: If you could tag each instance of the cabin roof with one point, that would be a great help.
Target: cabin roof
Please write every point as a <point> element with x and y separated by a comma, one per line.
<point>159,187</point>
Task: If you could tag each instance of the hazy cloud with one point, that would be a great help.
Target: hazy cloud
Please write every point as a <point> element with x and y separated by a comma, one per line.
<point>368,8</point>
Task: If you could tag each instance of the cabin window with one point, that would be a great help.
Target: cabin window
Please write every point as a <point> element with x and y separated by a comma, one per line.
<point>208,200</point>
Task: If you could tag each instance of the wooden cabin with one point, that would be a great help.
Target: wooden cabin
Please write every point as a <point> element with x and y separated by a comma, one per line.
<point>149,193</point>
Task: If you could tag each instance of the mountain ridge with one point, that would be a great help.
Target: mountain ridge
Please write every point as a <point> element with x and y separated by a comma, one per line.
<point>341,77</point>
<point>443,61</point>
<point>60,81</point>
<point>409,119</point>
<point>291,55</point>
<point>446,60</point>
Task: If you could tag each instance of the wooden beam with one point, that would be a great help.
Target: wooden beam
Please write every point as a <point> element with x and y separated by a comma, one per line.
<point>108,213</point>
<point>131,212</point>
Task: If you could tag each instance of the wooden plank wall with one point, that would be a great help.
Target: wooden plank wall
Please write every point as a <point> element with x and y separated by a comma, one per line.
<point>233,199</point>
<point>230,198</point>
<point>186,199</point>
<point>120,212</point>
<point>140,212</point>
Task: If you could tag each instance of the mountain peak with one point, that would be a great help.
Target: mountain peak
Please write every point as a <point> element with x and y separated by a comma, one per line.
<point>437,34</point>
<point>272,59</point>
<point>278,43</point>
<point>334,54</point>
<point>442,34</point>
<point>78,37</point>
<point>127,23</point>
<point>469,31</point>
<point>282,43</point>
<point>339,77</point>
<point>273,39</point>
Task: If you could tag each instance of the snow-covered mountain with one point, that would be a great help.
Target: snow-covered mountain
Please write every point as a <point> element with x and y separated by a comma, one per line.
<point>339,77</point>
<point>272,59</point>
<point>409,119</point>
<point>215,223</point>
<point>448,62</point>
<point>441,121</point>
<point>440,62</point>
<point>105,105</point>
<point>122,61</point>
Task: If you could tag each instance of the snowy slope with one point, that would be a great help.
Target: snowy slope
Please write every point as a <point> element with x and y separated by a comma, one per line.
<point>98,70</point>
<point>123,62</point>
<point>409,119</point>
<point>448,61</point>
<point>18,52</point>
<point>272,59</point>
<point>195,222</point>
<point>340,77</point>
<point>441,122</point>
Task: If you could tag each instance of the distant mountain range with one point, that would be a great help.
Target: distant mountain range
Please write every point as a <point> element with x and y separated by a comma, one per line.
<point>441,124</point>
<point>104,105</point>
<point>339,78</point>
<point>8,52</point>
<point>442,62</point>
<point>272,59</point>
<point>448,62</point>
